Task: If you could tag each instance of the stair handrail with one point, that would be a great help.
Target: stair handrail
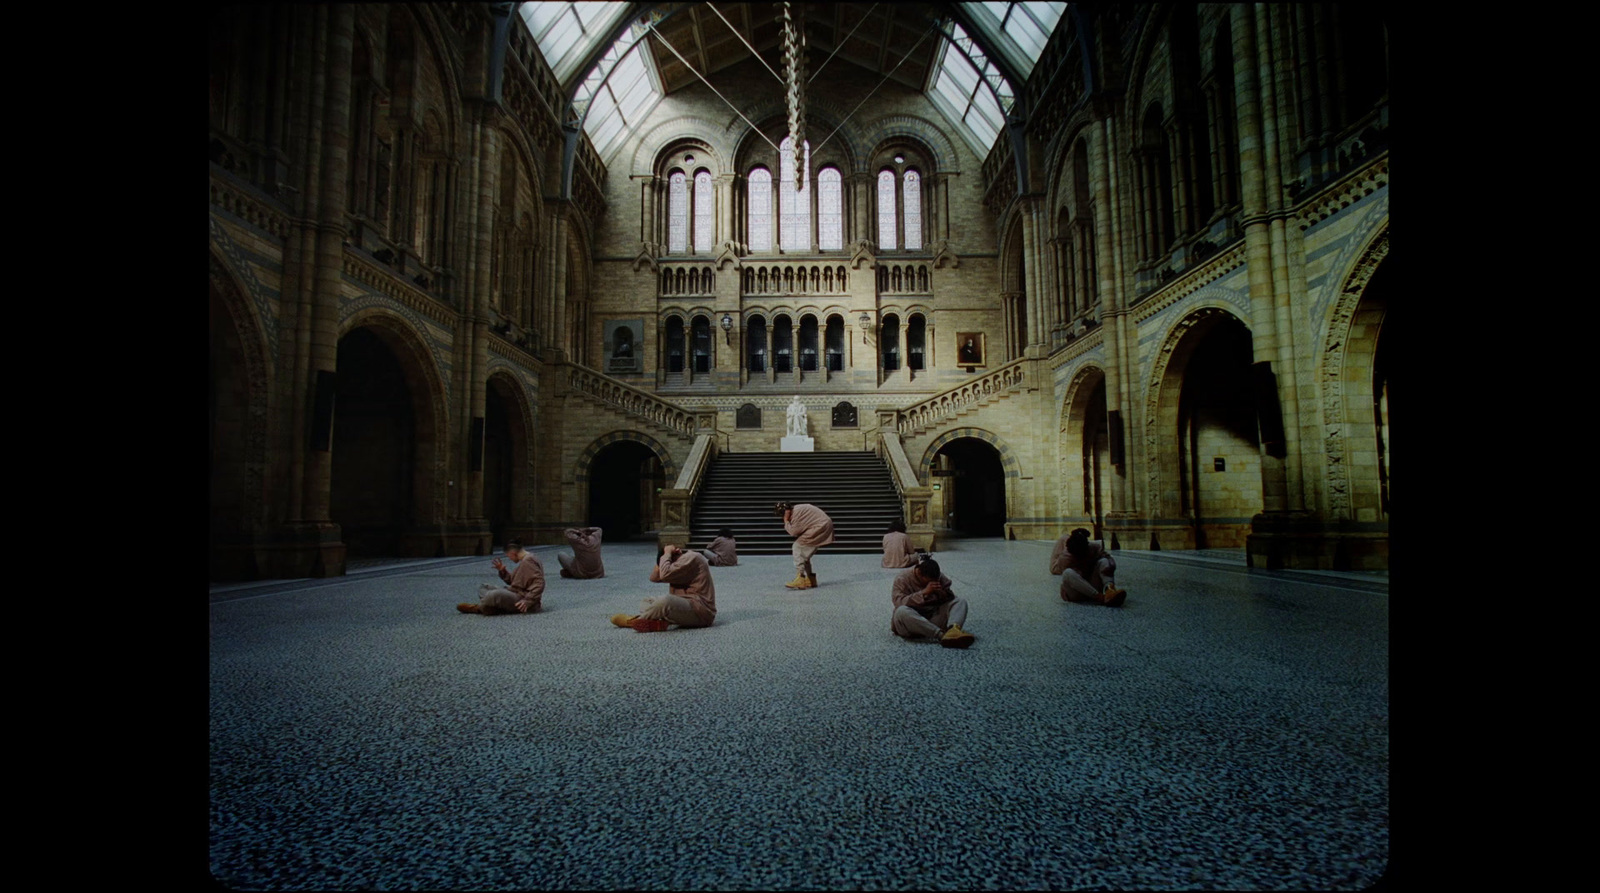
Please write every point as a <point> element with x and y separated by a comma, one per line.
<point>634,401</point>
<point>914,497</point>
<point>678,502</point>
<point>948,402</point>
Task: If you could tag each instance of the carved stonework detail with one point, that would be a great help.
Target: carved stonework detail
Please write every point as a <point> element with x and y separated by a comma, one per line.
<point>646,257</point>
<point>1333,355</point>
<point>943,256</point>
<point>257,380</point>
<point>863,252</point>
<point>727,254</point>
<point>1002,381</point>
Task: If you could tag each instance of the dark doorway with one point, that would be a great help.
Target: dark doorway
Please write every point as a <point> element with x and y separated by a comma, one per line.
<point>374,447</point>
<point>625,480</point>
<point>977,497</point>
<point>504,458</point>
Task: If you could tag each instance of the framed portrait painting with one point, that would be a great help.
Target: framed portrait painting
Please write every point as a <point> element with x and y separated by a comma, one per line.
<point>970,349</point>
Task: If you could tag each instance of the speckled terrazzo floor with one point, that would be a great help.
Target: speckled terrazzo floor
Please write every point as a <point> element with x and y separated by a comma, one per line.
<point>1226,729</point>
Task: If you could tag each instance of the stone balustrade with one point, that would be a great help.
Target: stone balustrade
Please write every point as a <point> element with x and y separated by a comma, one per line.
<point>633,401</point>
<point>794,279</point>
<point>1006,379</point>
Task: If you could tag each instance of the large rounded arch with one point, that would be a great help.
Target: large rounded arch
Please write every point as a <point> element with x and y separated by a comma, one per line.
<point>389,439</point>
<point>972,467</point>
<point>508,438</point>
<point>1203,447</point>
<point>617,496</point>
<point>1085,450</point>
<point>1355,392</point>
<point>238,409</point>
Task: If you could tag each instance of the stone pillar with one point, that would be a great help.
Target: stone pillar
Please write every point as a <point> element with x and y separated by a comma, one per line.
<point>315,548</point>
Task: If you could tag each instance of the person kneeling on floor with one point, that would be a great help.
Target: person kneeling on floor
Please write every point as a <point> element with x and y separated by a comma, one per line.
<point>691,600</point>
<point>1086,570</point>
<point>926,607</point>
<point>524,589</point>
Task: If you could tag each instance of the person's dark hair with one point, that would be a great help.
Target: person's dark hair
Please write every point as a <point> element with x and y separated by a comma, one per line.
<point>897,526</point>
<point>928,568</point>
<point>513,544</point>
<point>779,508</point>
<point>726,532</point>
<point>1078,543</point>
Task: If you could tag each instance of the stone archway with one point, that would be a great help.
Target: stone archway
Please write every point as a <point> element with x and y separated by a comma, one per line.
<point>1201,435</point>
<point>507,456</point>
<point>238,408</point>
<point>982,505</point>
<point>387,443</point>
<point>1355,392</point>
<point>1085,451</point>
<point>619,479</point>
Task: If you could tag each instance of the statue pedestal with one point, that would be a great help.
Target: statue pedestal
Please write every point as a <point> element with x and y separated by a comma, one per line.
<point>797,443</point>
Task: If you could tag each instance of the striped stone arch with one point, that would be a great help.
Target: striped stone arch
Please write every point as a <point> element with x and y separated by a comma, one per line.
<point>585,461</point>
<point>1008,459</point>
<point>922,131</point>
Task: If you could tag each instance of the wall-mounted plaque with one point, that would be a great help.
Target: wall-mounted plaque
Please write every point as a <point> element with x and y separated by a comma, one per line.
<point>844,416</point>
<point>748,416</point>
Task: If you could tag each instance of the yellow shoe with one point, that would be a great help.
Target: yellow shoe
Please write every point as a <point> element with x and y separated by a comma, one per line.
<point>467,608</point>
<point>800,581</point>
<point>956,637</point>
<point>623,620</point>
<point>1114,597</point>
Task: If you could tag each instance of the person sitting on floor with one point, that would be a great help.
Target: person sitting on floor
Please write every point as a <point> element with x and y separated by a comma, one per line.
<point>584,562</point>
<point>1086,570</point>
<point>524,589</point>
<point>722,551</point>
<point>926,607</point>
<point>691,600</point>
<point>897,550</point>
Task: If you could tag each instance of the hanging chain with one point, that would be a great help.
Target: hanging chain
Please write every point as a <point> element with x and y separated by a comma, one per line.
<point>794,71</point>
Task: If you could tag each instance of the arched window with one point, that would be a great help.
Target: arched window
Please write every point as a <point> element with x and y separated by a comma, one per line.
<point>704,205</point>
<point>890,339</point>
<point>782,345</point>
<point>760,209</point>
<point>916,336</point>
<point>886,211</point>
<point>674,344</point>
<point>830,210</point>
<point>677,214</point>
<point>702,344</point>
<point>794,205</point>
<point>808,343</point>
<point>758,344</point>
<point>833,340</point>
<point>912,196</point>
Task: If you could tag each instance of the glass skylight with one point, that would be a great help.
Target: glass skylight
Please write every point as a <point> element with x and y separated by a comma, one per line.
<point>1019,30</point>
<point>566,32</point>
<point>971,89</point>
<point>618,93</point>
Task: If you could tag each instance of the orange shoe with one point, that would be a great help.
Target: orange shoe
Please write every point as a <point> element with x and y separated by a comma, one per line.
<point>644,625</point>
<point>468,608</point>
<point>1113,598</point>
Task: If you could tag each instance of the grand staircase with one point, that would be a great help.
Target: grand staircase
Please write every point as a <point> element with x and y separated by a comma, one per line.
<point>854,488</point>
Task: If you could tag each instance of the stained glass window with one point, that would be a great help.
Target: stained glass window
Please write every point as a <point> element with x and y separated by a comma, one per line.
<point>913,203</point>
<point>886,216</point>
<point>830,209</point>
<point>704,205</point>
<point>677,214</point>
<point>794,205</point>
<point>760,209</point>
